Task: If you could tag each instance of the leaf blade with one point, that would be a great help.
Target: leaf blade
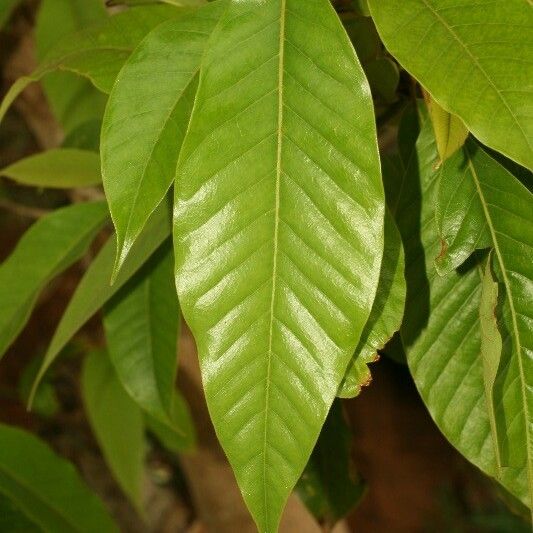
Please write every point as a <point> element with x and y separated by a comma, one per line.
<point>243,272</point>
<point>489,63</point>
<point>61,242</point>
<point>47,488</point>
<point>57,168</point>
<point>154,101</point>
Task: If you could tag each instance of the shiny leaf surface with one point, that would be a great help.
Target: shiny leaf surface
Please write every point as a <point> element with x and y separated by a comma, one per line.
<point>94,289</point>
<point>386,315</point>
<point>141,324</point>
<point>117,424</point>
<point>150,105</point>
<point>46,488</point>
<point>278,232</point>
<point>480,204</point>
<point>58,168</point>
<point>475,60</point>
<point>441,331</point>
<point>61,239</point>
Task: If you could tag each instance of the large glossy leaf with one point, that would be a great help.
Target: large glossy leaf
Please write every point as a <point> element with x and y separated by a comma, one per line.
<point>481,204</point>
<point>475,60</point>
<point>60,168</point>
<point>141,324</point>
<point>151,105</point>
<point>386,316</point>
<point>279,233</point>
<point>329,486</point>
<point>73,100</point>
<point>97,53</point>
<point>94,290</point>
<point>441,331</point>
<point>116,422</point>
<point>46,488</point>
<point>47,248</point>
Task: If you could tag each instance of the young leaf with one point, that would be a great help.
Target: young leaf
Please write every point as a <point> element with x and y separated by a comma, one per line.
<point>386,315</point>
<point>450,132</point>
<point>73,100</point>
<point>46,488</point>
<point>151,103</point>
<point>50,246</point>
<point>98,52</point>
<point>58,168</point>
<point>329,486</point>
<point>117,424</point>
<point>94,290</point>
<point>141,324</point>
<point>441,331</point>
<point>475,60</point>
<point>494,209</point>
<point>491,349</point>
<point>278,232</point>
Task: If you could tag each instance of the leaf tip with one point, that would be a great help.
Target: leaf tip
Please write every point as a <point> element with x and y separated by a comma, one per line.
<point>123,249</point>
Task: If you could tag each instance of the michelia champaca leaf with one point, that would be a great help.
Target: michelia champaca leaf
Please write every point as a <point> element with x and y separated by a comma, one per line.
<point>98,52</point>
<point>141,324</point>
<point>95,289</point>
<point>475,60</point>
<point>441,329</point>
<point>386,316</point>
<point>57,168</point>
<point>150,105</point>
<point>480,204</point>
<point>278,226</point>
<point>61,239</point>
<point>117,424</point>
<point>46,488</point>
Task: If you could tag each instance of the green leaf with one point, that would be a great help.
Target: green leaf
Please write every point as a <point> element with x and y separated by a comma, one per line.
<point>58,168</point>
<point>491,349</point>
<point>279,233</point>
<point>441,330</point>
<point>329,486</point>
<point>475,60</point>
<point>73,100</point>
<point>173,440</point>
<point>450,132</point>
<point>481,204</point>
<point>50,246</point>
<point>97,53</point>
<point>386,315</point>
<point>46,488</point>
<point>151,103</point>
<point>117,424</point>
<point>94,289</point>
<point>141,325</point>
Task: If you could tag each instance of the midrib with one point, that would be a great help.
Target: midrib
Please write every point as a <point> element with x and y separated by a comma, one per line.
<point>516,332</point>
<point>275,247</point>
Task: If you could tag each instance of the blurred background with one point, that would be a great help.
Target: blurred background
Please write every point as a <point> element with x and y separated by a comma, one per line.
<point>415,481</point>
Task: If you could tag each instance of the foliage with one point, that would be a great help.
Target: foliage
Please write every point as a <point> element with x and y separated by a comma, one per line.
<point>247,132</point>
